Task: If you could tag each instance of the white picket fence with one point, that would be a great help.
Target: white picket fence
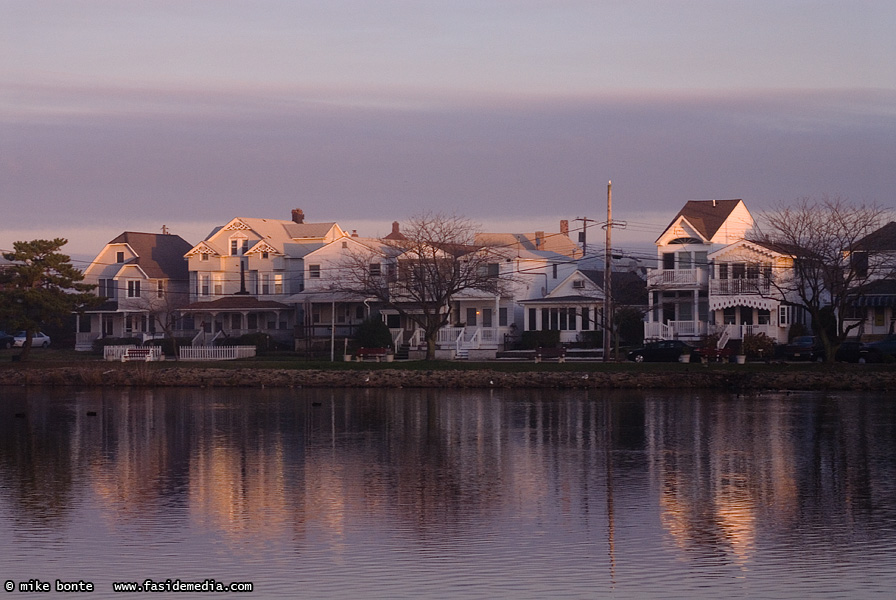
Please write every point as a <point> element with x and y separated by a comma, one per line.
<point>216,352</point>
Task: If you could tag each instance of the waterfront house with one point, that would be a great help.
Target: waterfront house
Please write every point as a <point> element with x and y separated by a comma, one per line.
<point>874,258</point>
<point>710,280</point>
<point>242,274</point>
<point>143,278</point>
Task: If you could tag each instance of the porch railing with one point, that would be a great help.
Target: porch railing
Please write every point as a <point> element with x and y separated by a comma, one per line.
<point>676,277</point>
<point>736,287</point>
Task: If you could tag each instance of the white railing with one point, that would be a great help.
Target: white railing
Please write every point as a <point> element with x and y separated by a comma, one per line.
<point>736,287</point>
<point>450,336</point>
<point>116,352</point>
<point>676,277</point>
<point>656,330</point>
<point>216,352</point>
<point>674,329</point>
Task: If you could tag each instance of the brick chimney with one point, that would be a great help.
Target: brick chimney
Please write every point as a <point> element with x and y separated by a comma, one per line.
<point>564,227</point>
<point>298,215</point>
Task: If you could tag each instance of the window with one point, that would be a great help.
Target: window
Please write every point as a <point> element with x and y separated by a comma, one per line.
<point>486,317</point>
<point>502,317</point>
<point>203,285</point>
<point>471,317</point>
<point>668,261</point>
<point>586,319</point>
<point>219,287</point>
<point>265,283</point>
<point>133,289</point>
<point>375,270</point>
<point>314,271</point>
<point>119,257</point>
<point>203,256</point>
<point>729,316</point>
<point>264,255</point>
<point>532,319</point>
<point>859,263</point>
<point>738,270</point>
<point>278,283</point>
<point>234,246</point>
<point>723,270</point>
<point>160,288</point>
<point>578,284</point>
<point>359,313</point>
<point>784,316</point>
<point>700,260</point>
<point>763,317</point>
<point>245,246</point>
<point>684,260</point>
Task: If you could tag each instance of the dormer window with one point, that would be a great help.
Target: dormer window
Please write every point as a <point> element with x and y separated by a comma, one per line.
<point>238,245</point>
<point>119,257</point>
<point>578,284</point>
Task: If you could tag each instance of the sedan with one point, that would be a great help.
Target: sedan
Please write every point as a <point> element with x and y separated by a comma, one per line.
<point>804,347</point>
<point>40,340</point>
<point>876,351</point>
<point>6,340</point>
<point>662,351</point>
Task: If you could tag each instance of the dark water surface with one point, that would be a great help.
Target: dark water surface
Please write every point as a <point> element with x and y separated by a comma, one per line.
<point>451,494</point>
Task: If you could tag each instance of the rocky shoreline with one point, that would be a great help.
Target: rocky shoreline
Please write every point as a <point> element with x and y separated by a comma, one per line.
<point>145,375</point>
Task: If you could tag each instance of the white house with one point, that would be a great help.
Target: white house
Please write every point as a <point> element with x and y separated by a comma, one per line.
<point>143,277</point>
<point>242,274</point>
<point>711,280</point>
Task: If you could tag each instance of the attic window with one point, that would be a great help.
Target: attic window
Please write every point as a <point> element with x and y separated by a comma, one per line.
<point>685,240</point>
<point>578,284</point>
<point>119,257</point>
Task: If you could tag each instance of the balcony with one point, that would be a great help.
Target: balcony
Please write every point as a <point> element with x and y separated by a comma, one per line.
<point>738,287</point>
<point>677,278</point>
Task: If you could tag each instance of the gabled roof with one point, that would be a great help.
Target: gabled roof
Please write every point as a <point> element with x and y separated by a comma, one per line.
<point>159,255</point>
<point>279,235</point>
<point>557,243</point>
<point>705,216</point>
<point>628,287</point>
<point>882,240</point>
<point>236,302</point>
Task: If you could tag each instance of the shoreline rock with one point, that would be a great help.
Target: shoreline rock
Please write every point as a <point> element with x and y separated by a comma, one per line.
<point>143,375</point>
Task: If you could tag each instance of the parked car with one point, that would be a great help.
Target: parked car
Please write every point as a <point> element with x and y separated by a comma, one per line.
<point>40,340</point>
<point>662,351</point>
<point>804,347</point>
<point>6,340</point>
<point>875,351</point>
<point>849,351</point>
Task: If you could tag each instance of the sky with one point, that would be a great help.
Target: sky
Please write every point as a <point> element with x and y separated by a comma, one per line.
<point>129,116</point>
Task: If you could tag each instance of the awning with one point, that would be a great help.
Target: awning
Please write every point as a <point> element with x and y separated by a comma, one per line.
<point>752,301</point>
<point>876,301</point>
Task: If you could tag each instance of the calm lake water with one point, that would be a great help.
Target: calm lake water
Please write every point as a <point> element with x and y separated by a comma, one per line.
<point>451,494</point>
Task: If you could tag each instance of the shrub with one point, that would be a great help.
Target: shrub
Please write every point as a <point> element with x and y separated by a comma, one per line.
<point>758,345</point>
<point>373,333</point>
<point>540,339</point>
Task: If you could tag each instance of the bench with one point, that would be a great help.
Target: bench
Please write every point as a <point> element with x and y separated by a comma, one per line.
<point>543,353</point>
<point>141,354</point>
<point>371,353</point>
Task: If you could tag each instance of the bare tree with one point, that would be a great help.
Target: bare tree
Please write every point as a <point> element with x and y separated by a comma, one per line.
<point>418,276</point>
<point>826,274</point>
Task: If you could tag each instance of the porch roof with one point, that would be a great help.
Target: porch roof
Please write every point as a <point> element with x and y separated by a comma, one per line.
<point>752,301</point>
<point>235,303</point>
<point>564,300</point>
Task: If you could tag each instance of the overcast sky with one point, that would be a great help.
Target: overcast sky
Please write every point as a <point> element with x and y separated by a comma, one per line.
<point>132,115</point>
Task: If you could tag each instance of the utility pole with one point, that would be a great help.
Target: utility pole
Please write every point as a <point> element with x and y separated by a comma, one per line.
<point>584,233</point>
<point>608,301</point>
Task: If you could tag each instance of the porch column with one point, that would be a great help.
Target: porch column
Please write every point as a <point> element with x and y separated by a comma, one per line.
<point>696,312</point>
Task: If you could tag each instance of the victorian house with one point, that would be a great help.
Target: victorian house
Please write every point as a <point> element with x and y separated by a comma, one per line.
<point>143,277</point>
<point>710,280</point>
<point>242,275</point>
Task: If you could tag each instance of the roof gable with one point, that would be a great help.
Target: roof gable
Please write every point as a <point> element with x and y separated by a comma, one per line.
<point>707,218</point>
<point>159,255</point>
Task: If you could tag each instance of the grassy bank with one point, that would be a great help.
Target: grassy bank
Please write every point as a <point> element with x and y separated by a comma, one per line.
<point>68,368</point>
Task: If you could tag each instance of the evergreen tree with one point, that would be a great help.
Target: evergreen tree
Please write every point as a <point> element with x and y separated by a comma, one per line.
<point>40,287</point>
